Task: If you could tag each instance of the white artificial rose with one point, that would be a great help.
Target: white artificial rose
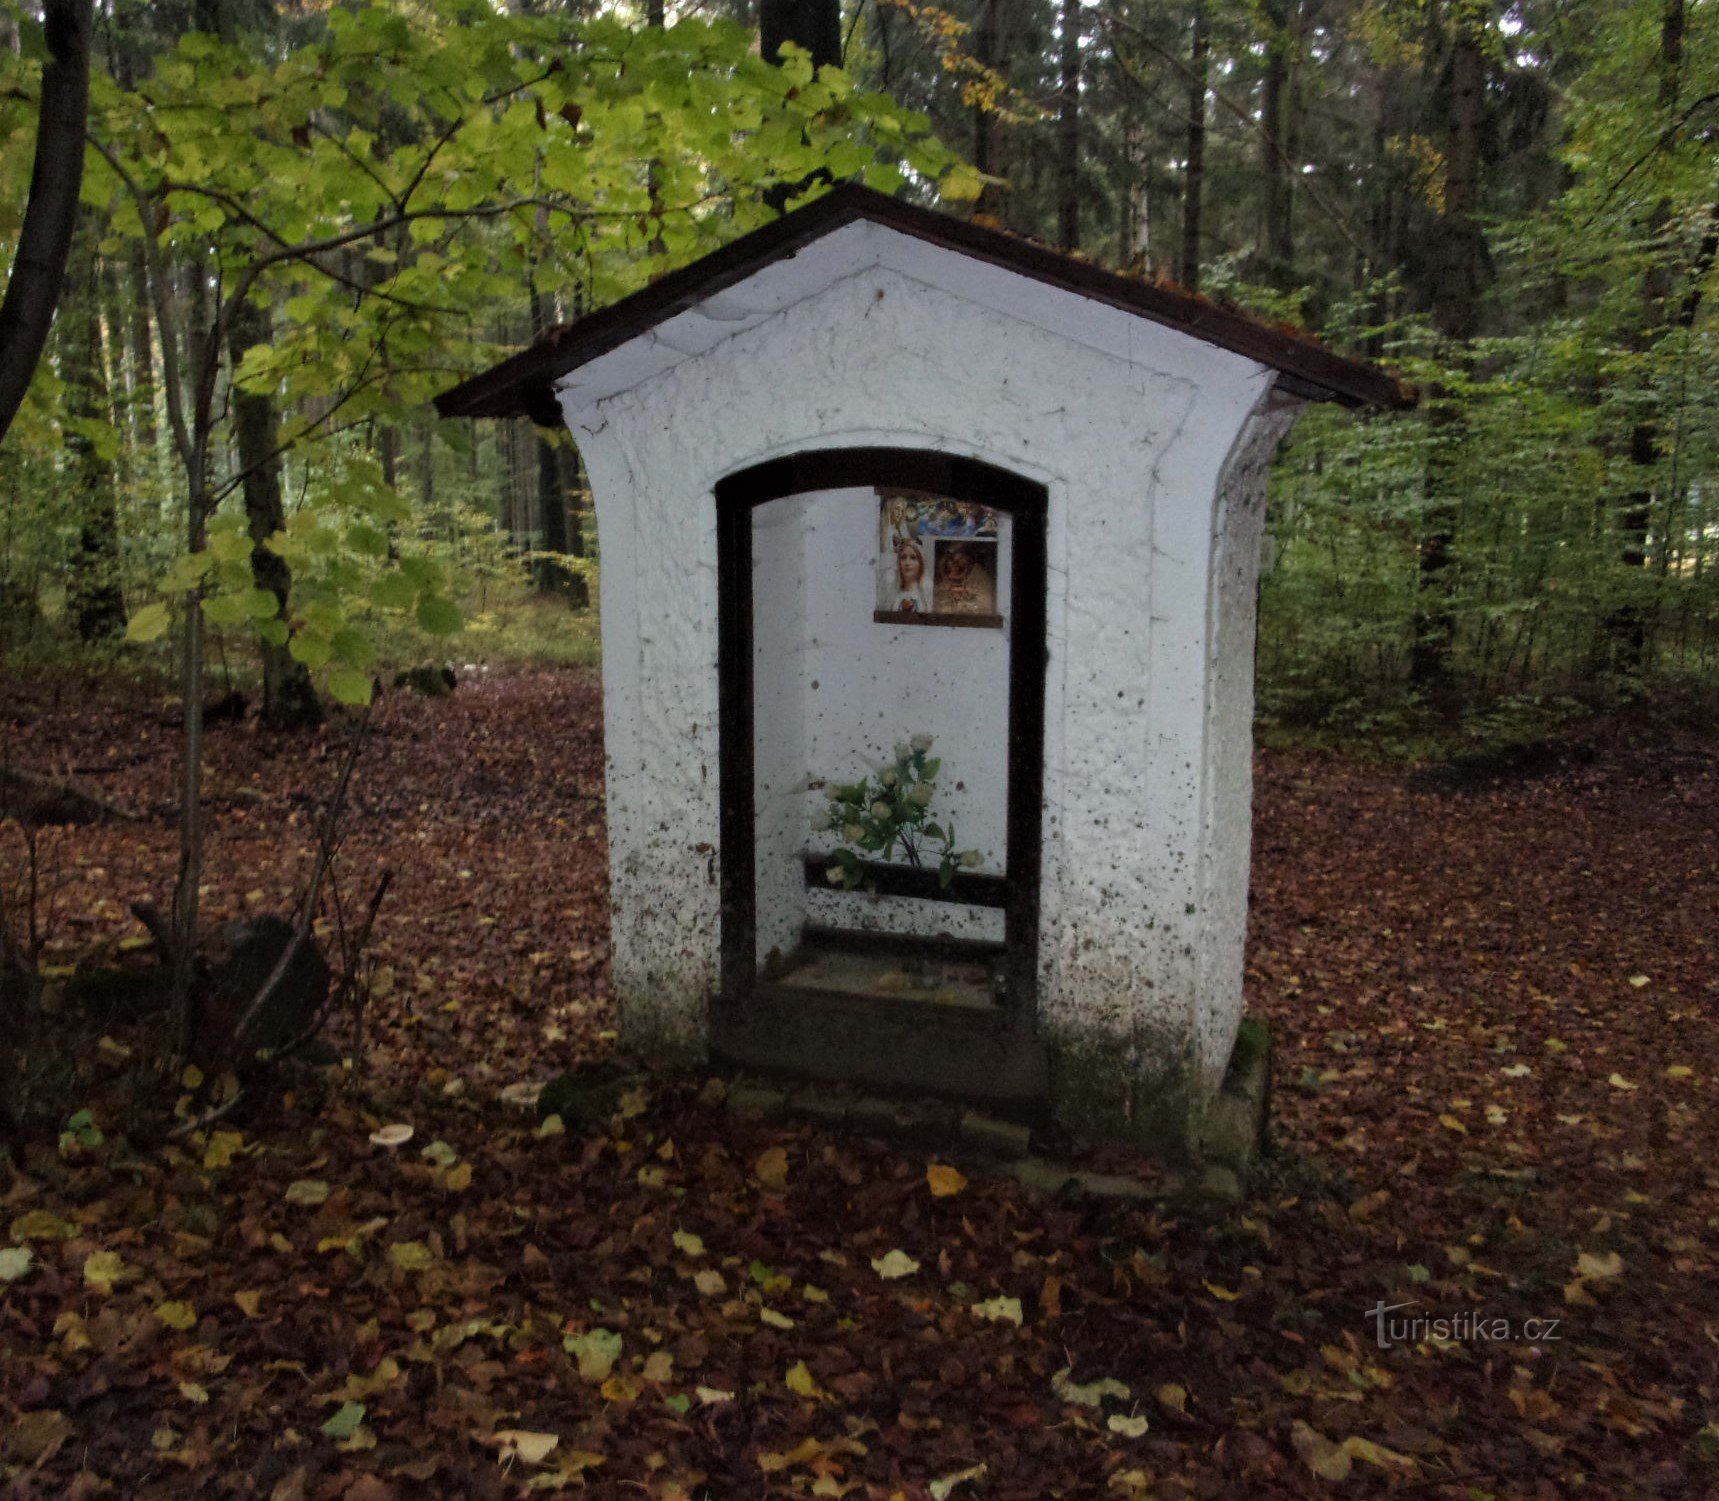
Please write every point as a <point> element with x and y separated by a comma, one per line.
<point>921,742</point>
<point>880,810</point>
<point>853,832</point>
<point>969,858</point>
<point>921,794</point>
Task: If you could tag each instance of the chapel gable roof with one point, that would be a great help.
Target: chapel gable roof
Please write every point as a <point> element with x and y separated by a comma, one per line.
<point>523,384</point>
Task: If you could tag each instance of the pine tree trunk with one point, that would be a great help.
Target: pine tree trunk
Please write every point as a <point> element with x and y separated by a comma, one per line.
<point>1194,177</point>
<point>1630,626</point>
<point>1068,131</point>
<point>289,696</point>
<point>94,600</point>
<point>1456,289</point>
<point>1276,251</point>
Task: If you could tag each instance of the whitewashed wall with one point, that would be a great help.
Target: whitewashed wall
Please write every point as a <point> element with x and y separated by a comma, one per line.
<point>870,338</point>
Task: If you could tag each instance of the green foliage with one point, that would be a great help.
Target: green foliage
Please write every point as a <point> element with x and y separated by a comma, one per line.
<point>891,807</point>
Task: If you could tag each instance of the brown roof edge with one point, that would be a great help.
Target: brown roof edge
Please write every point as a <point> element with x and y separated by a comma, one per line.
<point>517,385</point>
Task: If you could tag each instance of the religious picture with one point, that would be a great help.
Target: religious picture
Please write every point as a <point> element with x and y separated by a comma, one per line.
<point>937,560</point>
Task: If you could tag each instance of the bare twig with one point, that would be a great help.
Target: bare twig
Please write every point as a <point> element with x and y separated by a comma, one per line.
<point>307,916</point>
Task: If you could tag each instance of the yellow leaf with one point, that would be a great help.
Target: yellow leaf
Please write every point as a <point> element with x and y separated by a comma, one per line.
<point>685,1240</point>
<point>411,1255</point>
<point>1174,1397</point>
<point>1679,1071</point>
<point>1327,1460</point>
<point>775,1320</point>
<point>709,1282</point>
<point>1451,1123</point>
<point>1378,1455</point>
<point>192,1078</point>
<point>102,1269</point>
<point>894,1265</point>
<point>1617,1081</point>
<point>1599,1264</point>
<point>1223,1294</point>
<point>619,1388</point>
<point>250,1303</point>
<point>39,1224</point>
<point>999,1310</point>
<point>180,1316</point>
<point>192,1392</point>
<point>391,1136</point>
<point>532,1448</point>
<point>945,1181</point>
<point>771,1168</point>
<point>223,1147</point>
<point>659,1366</point>
<point>458,1178</point>
<point>709,1395</point>
<point>802,1383</point>
<point>1577,1296</point>
<point>1127,1426</point>
<point>308,1192</point>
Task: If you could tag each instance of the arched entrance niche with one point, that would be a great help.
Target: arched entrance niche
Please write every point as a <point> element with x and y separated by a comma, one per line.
<point>905,984</point>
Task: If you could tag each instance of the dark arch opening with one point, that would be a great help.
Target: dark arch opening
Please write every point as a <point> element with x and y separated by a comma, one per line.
<point>995,1058</point>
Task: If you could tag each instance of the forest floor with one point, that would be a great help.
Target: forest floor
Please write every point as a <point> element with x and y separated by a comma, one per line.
<point>1495,995</point>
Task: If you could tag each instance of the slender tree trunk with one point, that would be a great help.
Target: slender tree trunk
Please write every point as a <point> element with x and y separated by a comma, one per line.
<point>1630,626</point>
<point>1275,249</point>
<point>289,696</point>
<point>93,598</point>
<point>1456,290</point>
<point>50,214</point>
<point>1068,131</point>
<point>1194,176</point>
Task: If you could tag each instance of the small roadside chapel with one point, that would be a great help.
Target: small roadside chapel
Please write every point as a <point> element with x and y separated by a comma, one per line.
<point>929,566</point>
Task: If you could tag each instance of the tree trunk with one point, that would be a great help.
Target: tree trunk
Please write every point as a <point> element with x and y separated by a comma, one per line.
<point>50,214</point>
<point>1455,289</point>
<point>1276,253</point>
<point>1068,132</point>
<point>815,25</point>
<point>1194,176</point>
<point>289,696</point>
<point>1630,626</point>
<point>94,600</point>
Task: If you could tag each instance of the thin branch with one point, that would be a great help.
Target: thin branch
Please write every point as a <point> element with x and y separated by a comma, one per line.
<point>324,854</point>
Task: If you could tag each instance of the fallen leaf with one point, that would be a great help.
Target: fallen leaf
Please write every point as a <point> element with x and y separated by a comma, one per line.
<point>688,1243</point>
<point>775,1320</point>
<point>1174,1397</point>
<point>102,1269</point>
<point>518,1443</point>
<point>801,1382</point>
<point>710,1282</point>
<point>999,1310</point>
<point>940,1489</point>
<point>597,1351</point>
<point>1598,1264</point>
<point>346,1421</point>
<point>391,1136</point>
<point>180,1316</point>
<point>893,1265</point>
<point>1223,1294</point>
<point>1379,1456</point>
<point>307,1192</point>
<point>15,1262</point>
<point>411,1256</point>
<point>37,1435</point>
<point>1128,1427</point>
<point>1087,1394</point>
<point>250,1303</point>
<point>710,1395</point>
<point>1327,1460</point>
<point>944,1181</point>
<point>1617,1081</point>
<point>771,1168</point>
